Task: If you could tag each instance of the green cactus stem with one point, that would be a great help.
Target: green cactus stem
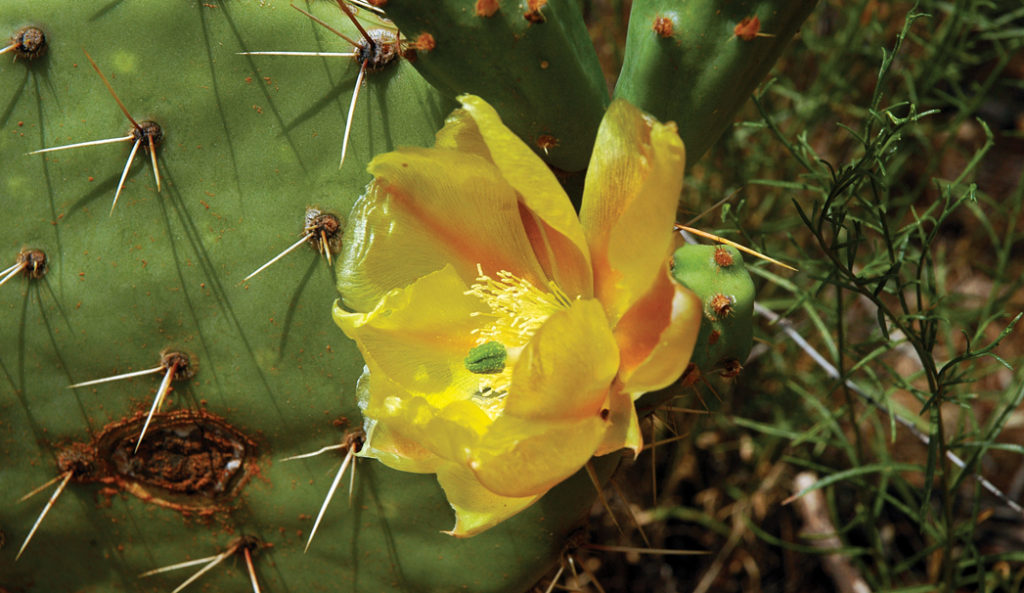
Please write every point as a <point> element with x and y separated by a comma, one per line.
<point>532,61</point>
<point>696,63</point>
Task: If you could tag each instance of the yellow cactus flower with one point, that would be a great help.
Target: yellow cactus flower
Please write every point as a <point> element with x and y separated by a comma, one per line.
<point>505,337</point>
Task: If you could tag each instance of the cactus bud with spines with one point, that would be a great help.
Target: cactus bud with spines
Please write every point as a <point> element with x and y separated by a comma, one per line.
<point>717,274</point>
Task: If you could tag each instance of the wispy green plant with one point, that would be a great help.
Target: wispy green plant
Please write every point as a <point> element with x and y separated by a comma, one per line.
<point>888,365</point>
<point>874,250</point>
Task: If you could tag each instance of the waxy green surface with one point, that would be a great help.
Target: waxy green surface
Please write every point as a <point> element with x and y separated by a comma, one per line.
<point>697,72</point>
<point>541,73</point>
<point>717,275</point>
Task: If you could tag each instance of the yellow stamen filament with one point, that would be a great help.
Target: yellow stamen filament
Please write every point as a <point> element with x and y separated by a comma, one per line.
<point>517,306</point>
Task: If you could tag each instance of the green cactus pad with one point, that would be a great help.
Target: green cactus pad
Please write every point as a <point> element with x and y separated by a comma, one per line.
<point>717,274</point>
<point>696,63</point>
<point>533,61</point>
<point>249,142</point>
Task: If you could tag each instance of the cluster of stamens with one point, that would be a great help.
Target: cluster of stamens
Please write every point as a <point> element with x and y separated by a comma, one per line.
<point>518,309</point>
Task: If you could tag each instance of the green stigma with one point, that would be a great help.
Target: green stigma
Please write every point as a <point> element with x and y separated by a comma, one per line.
<point>487,358</point>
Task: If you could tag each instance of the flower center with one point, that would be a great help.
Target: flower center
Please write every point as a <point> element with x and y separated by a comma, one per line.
<point>517,310</point>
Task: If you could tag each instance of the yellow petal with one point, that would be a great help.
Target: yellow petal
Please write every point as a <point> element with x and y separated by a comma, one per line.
<point>418,337</point>
<point>476,128</point>
<point>667,357</point>
<point>566,368</point>
<point>461,133</point>
<point>446,432</point>
<point>425,209</point>
<point>476,508</point>
<point>393,450</point>
<point>624,425</point>
<point>397,451</point>
<point>560,258</point>
<point>524,457</point>
<point>629,203</point>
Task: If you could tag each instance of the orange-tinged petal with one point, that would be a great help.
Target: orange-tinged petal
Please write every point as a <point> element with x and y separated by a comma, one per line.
<point>476,508</point>
<point>397,451</point>
<point>671,352</point>
<point>536,185</point>
<point>566,368</point>
<point>629,204</point>
<point>418,337</point>
<point>558,256</point>
<point>425,209</point>
<point>523,457</point>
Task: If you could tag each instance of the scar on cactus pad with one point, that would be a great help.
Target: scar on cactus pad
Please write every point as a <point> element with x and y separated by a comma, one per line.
<point>30,262</point>
<point>28,43</point>
<point>321,230</point>
<point>246,546</point>
<point>373,52</point>
<point>147,134</point>
<point>194,462</point>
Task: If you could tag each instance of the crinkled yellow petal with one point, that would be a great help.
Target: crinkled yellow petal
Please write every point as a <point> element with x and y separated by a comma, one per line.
<point>566,368</point>
<point>418,337</point>
<point>393,450</point>
<point>425,209</point>
<point>671,351</point>
<point>623,425</point>
<point>446,432</point>
<point>524,457</point>
<point>477,127</point>
<point>558,256</point>
<point>476,508</point>
<point>629,203</point>
<point>397,451</point>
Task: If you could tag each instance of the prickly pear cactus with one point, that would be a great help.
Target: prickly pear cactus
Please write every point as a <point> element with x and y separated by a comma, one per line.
<point>135,224</point>
<point>694,63</point>
<point>248,143</point>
